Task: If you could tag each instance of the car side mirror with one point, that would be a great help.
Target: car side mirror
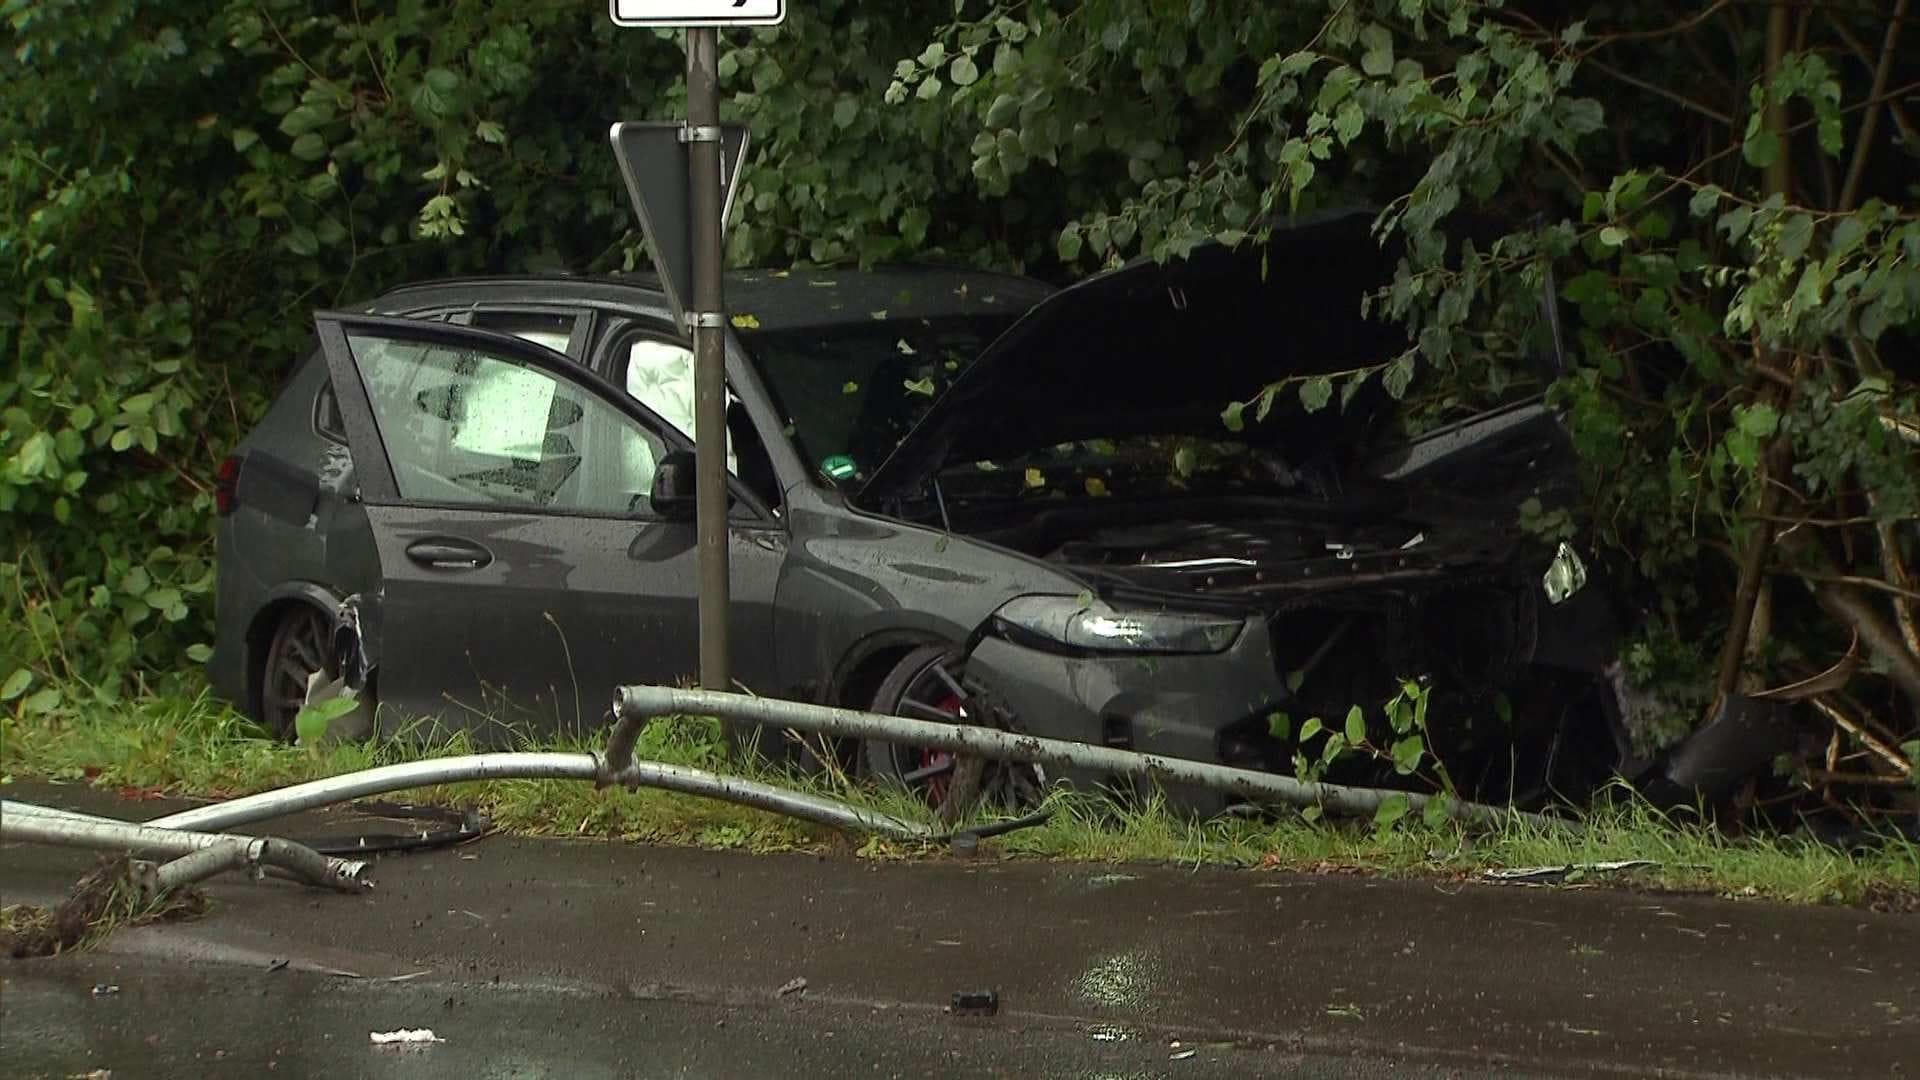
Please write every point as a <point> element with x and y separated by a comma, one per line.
<point>672,495</point>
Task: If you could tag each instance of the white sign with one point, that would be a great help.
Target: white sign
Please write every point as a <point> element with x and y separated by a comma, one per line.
<point>698,12</point>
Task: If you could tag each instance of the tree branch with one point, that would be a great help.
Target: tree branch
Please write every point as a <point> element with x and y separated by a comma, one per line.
<point>1654,88</point>
<point>1850,607</point>
<point>1870,124</point>
<point>1680,27</point>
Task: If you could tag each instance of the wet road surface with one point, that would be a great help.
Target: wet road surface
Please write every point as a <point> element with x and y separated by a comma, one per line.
<point>600,959</point>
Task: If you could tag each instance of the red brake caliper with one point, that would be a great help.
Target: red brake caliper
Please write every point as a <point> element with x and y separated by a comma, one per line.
<point>937,785</point>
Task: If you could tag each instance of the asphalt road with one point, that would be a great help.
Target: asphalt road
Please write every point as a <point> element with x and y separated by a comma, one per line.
<point>599,959</point>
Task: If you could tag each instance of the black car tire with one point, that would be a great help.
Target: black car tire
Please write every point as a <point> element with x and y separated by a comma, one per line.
<point>930,683</point>
<point>302,643</point>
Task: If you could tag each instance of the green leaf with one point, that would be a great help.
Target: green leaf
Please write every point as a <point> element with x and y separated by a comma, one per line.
<point>1280,725</point>
<point>1398,376</point>
<point>845,112</point>
<point>1335,745</point>
<point>1438,810</point>
<point>964,71</point>
<point>1070,242</point>
<point>1377,42</point>
<point>1759,420</point>
<point>745,321</point>
<point>1356,726</point>
<point>1614,236</point>
<point>41,702</point>
<point>1232,416</point>
<point>1391,810</point>
<point>1795,235</point>
<point>1311,728</point>
<point>16,684</point>
<point>310,724</point>
<point>1735,222</point>
<point>309,147</point>
<point>34,454</point>
<point>1407,753</point>
<point>243,139</point>
<point>1003,111</point>
<point>1847,236</point>
<point>1348,119</point>
<point>1312,814</point>
<point>1704,201</point>
<point>301,241</point>
<point>199,653</point>
<point>1743,449</point>
<point>1761,149</point>
<point>1316,392</point>
<point>306,118</point>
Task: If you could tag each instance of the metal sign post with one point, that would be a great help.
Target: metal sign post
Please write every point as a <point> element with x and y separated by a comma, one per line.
<point>709,351</point>
<point>708,194</point>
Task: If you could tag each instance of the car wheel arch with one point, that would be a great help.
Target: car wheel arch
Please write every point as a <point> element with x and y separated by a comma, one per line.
<point>267,619</point>
<point>866,665</point>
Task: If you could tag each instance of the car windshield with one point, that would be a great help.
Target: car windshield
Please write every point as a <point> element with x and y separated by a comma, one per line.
<point>851,391</point>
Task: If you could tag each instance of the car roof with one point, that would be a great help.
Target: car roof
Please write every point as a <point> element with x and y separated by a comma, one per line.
<point>776,299</point>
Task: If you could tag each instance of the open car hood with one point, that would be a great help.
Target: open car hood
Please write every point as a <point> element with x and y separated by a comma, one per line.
<point>1161,349</point>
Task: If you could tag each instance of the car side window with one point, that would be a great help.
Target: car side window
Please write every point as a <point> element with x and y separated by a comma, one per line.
<point>326,415</point>
<point>466,427</point>
<point>659,375</point>
<point>551,329</point>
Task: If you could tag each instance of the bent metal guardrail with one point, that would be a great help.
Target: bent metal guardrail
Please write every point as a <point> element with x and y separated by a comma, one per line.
<point>635,705</point>
<point>196,840</point>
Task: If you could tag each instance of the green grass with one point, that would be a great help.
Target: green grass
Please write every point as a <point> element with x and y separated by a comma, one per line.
<point>193,746</point>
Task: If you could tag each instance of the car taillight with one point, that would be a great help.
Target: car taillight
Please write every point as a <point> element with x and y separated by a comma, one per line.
<point>226,487</point>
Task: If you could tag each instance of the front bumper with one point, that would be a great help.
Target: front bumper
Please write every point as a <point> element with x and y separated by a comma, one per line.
<point>1177,706</point>
<point>1474,638</point>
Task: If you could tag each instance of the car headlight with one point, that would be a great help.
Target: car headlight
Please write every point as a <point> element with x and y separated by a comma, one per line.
<point>1094,625</point>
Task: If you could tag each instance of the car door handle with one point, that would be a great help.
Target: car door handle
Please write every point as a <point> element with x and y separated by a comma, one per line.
<point>449,554</point>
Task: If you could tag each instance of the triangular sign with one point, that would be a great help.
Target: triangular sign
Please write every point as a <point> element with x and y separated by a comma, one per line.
<point>654,163</point>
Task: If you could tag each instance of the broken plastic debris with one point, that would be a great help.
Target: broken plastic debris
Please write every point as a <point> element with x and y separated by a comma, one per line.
<point>404,1037</point>
<point>1564,871</point>
<point>975,1003</point>
<point>1181,1055</point>
<point>791,986</point>
<point>1564,576</point>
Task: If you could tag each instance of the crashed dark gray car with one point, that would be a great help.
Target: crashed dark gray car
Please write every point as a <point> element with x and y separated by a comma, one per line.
<point>953,493</point>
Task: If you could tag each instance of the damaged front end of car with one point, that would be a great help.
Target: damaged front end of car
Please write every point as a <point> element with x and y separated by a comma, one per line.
<point>1249,585</point>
